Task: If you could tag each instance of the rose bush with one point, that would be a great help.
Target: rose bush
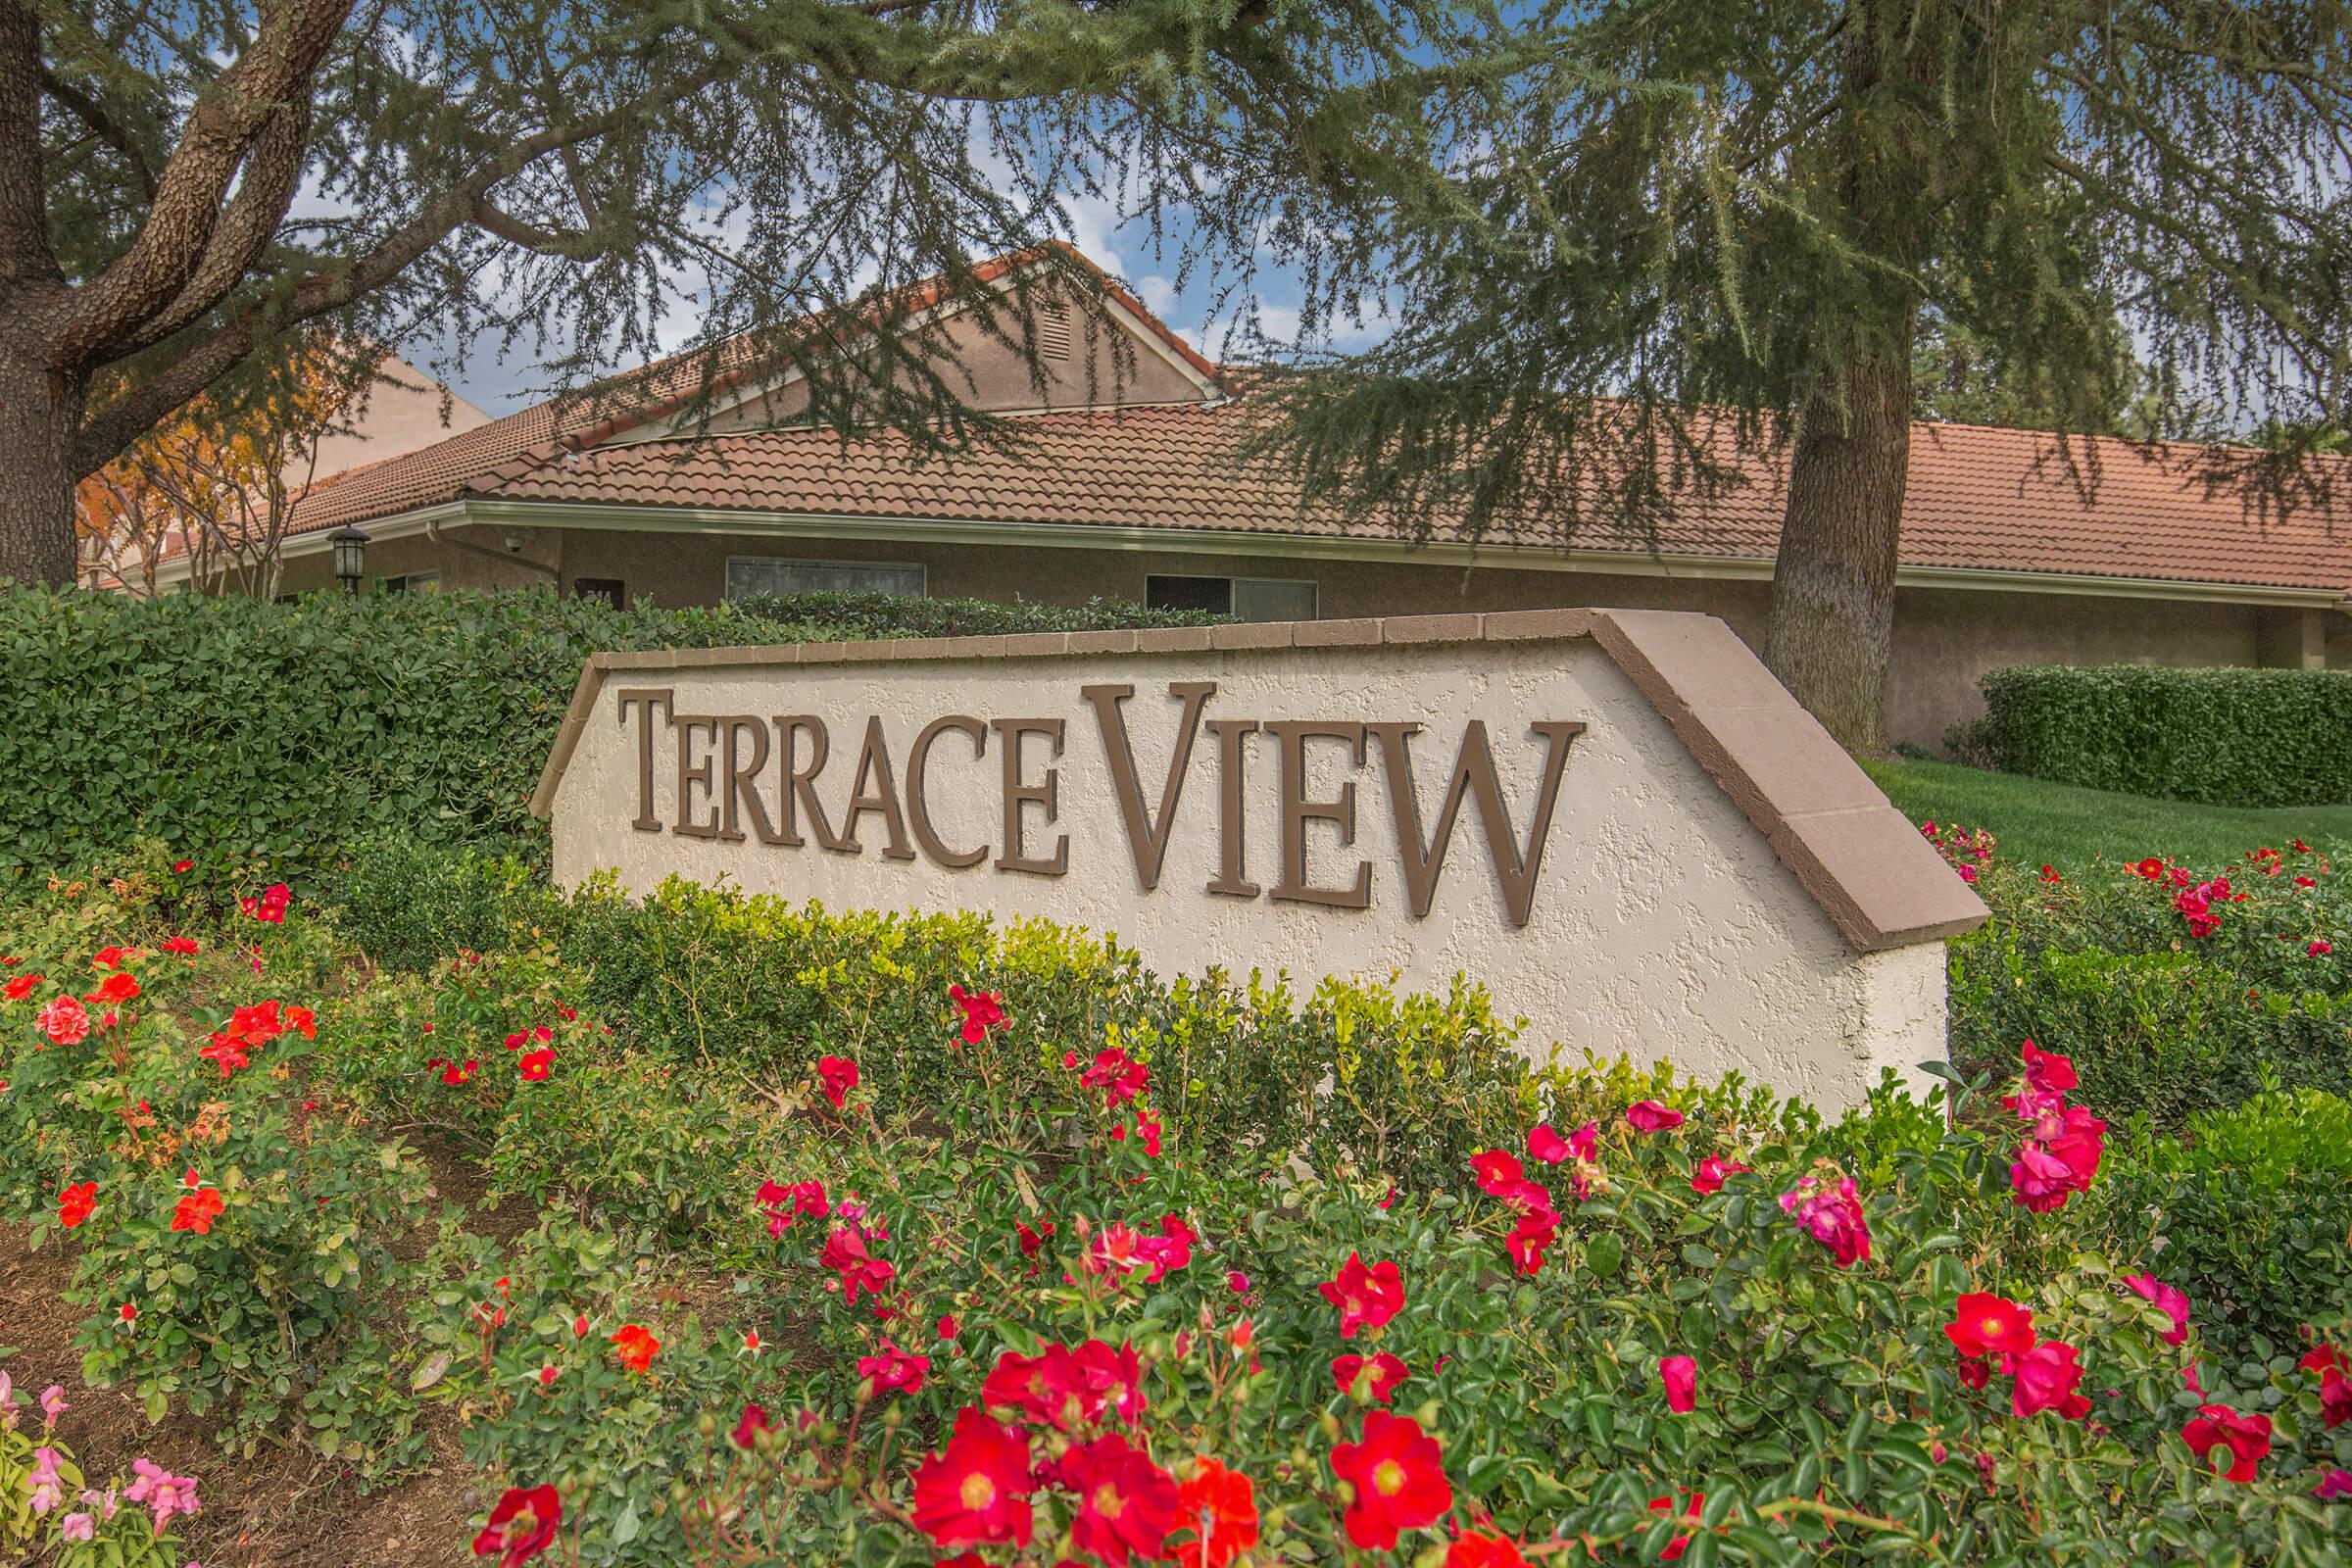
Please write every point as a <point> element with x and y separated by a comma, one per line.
<point>50,1512</point>
<point>922,1272</point>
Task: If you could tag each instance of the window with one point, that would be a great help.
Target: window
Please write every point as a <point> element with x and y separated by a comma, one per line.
<point>611,590</point>
<point>416,582</point>
<point>761,578</point>
<point>1249,598</point>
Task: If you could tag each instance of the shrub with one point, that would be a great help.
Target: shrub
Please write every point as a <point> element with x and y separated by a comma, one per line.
<point>2176,991</point>
<point>2250,1214</point>
<point>2223,737</point>
<point>1403,1083</point>
<point>51,1512</point>
<point>902,1242</point>
<point>203,1196</point>
<point>857,616</point>
<point>229,727</point>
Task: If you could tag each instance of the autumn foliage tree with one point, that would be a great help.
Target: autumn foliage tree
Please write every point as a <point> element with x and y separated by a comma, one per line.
<point>224,475</point>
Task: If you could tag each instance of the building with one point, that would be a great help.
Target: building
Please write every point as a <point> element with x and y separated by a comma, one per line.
<point>1130,486</point>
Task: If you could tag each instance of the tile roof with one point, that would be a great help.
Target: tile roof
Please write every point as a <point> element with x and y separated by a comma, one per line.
<point>1980,498</point>
<point>432,475</point>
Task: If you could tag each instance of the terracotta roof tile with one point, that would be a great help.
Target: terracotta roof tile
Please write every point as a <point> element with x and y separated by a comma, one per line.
<point>1980,498</point>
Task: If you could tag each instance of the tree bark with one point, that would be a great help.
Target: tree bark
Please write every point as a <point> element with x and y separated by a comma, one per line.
<point>1832,626</point>
<point>40,411</point>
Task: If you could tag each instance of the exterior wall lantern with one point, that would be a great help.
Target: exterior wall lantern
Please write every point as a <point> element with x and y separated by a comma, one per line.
<point>351,555</point>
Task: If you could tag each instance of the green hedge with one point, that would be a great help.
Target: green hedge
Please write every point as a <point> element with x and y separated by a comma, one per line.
<point>229,727</point>
<point>1414,1084</point>
<point>2222,737</point>
<point>2106,968</point>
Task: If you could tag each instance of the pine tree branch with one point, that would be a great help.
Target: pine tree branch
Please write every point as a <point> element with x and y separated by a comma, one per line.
<point>229,115</point>
<point>272,174</point>
<point>339,282</point>
<point>104,125</point>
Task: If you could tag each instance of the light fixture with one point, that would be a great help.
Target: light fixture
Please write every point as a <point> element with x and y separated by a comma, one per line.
<point>351,555</point>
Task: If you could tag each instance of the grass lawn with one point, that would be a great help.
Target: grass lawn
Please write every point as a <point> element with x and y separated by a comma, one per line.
<point>2059,824</point>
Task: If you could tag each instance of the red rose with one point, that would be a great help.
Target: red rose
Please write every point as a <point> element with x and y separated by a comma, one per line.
<point>1398,1481</point>
<point>1477,1550</point>
<point>2046,1376</point>
<point>197,1211</point>
<point>1372,1378</point>
<point>754,1422</point>
<point>74,1203</point>
<point>1983,1324</point>
<point>2336,1387</point>
<point>1498,1170</point>
<point>840,1076</point>
<point>1366,1297</point>
<point>635,1347</point>
<point>983,1010</point>
<point>2247,1438</point>
<point>976,1490</point>
<point>2046,1071</point>
<point>2171,1300</point>
<point>1126,1503</point>
<point>534,1065</point>
<point>1680,1374</point>
<point>1216,1515</point>
<point>1711,1172</point>
<point>1649,1116</point>
<point>895,1368</point>
<point>521,1527</point>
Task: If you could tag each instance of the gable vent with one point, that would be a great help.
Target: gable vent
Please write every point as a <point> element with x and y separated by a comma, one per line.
<point>1053,331</point>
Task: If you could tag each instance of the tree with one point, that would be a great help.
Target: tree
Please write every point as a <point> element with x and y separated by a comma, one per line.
<point>226,472</point>
<point>183,187</point>
<point>1718,226</point>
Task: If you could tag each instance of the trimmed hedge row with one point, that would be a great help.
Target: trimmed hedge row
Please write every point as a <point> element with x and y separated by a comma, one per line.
<point>2220,737</point>
<point>1410,1083</point>
<point>2107,968</point>
<point>229,727</point>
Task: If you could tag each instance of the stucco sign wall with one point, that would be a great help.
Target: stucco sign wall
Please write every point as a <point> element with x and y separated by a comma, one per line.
<point>1617,821</point>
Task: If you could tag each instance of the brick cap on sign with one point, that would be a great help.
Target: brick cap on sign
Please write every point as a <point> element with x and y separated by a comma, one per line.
<point>1859,858</point>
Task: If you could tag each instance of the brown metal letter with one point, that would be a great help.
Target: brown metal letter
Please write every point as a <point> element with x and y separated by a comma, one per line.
<point>1232,829</point>
<point>874,788</point>
<point>800,783</point>
<point>1297,811</point>
<point>1424,861</point>
<point>1147,843</point>
<point>645,821</point>
<point>742,779</point>
<point>918,807</point>
<point>1046,792</point>
<point>690,773</point>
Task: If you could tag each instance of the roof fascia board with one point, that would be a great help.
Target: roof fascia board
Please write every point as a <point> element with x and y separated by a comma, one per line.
<point>318,542</point>
<point>1236,542</point>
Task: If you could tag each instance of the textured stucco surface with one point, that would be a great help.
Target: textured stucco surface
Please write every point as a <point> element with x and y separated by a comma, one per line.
<point>1662,924</point>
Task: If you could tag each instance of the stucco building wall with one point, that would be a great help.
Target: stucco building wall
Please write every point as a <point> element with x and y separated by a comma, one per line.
<point>1945,639</point>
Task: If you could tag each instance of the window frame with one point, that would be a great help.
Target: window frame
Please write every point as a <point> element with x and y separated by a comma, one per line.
<point>1313,586</point>
<point>922,570</point>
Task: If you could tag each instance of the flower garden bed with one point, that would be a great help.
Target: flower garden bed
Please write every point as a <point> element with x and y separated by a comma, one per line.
<point>753,1235</point>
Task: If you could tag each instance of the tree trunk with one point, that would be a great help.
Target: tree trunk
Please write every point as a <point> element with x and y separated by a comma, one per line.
<point>1831,625</point>
<point>39,413</point>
